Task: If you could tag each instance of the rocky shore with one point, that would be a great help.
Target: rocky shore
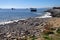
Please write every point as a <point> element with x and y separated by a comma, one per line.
<point>28,29</point>
<point>55,11</point>
<point>22,28</point>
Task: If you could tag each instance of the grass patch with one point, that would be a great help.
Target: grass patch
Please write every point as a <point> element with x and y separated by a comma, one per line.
<point>58,31</point>
<point>46,37</point>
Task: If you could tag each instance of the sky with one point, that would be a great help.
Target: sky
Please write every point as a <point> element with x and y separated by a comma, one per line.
<point>28,3</point>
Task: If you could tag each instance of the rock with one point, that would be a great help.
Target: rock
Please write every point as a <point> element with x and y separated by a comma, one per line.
<point>55,11</point>
<point>32,26</point>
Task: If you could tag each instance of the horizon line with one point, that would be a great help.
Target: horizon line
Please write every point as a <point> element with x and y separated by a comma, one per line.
<point>26,7</point>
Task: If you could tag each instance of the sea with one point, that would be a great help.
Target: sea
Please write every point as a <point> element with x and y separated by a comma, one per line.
<point>16,14</point>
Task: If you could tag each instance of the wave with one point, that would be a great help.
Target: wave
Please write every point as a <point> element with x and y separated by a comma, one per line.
<point>7,22</point>
<point>46,15</point>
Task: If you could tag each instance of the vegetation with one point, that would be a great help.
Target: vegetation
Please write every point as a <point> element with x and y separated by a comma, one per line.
<point>46,37</point>
<point>58,31</point>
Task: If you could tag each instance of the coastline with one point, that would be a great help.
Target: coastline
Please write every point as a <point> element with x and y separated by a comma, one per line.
<point>46,15</point>
<point>7,22</point>
<point>45,26</point>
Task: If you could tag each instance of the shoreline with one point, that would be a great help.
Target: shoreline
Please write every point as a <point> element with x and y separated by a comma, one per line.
<point>12,21</point>
<point>7,22</point>
<point>46,15</point>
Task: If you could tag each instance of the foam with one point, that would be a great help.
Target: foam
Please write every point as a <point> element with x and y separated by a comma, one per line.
<point>46,15</point>
<point>7,22</point>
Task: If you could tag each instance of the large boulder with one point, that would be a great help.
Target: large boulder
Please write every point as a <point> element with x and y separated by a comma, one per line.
<point>55,11</point>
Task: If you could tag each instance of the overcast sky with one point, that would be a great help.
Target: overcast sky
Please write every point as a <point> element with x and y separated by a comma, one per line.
<point>28,3</point>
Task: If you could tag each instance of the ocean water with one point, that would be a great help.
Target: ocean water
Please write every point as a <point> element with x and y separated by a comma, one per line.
<point>16,14</point>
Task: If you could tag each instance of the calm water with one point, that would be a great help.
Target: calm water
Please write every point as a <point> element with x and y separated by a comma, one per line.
<point>8,14</point>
